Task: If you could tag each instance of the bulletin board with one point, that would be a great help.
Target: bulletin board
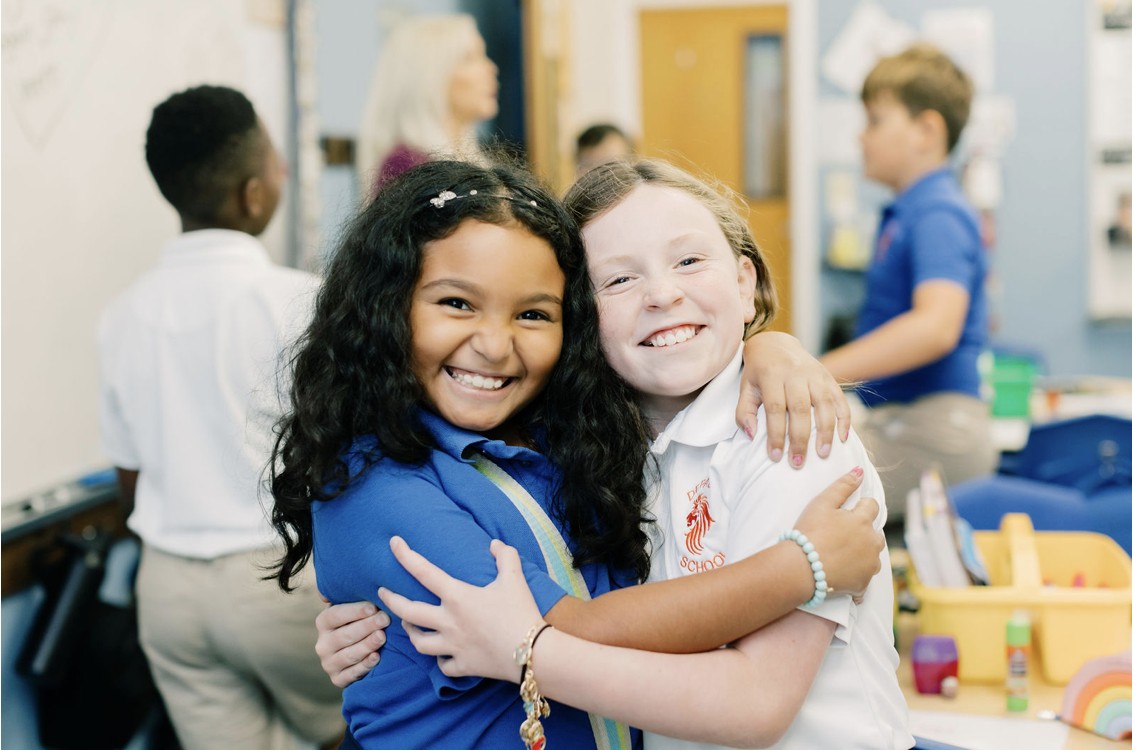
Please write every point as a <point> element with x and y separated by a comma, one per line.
<point>81,216</point>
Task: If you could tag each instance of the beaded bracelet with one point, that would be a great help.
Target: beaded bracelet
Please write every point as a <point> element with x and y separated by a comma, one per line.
<point>536,706</point>
<point>820,586</point>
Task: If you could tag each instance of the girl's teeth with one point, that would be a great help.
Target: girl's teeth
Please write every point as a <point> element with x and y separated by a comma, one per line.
<point>674,337</point>
<point>475,381</point>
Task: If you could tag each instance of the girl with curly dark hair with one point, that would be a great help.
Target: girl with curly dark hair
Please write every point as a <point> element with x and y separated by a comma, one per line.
<point>451,390</point>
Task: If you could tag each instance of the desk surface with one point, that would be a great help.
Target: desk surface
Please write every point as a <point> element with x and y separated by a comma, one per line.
<point>989,700</point>
<point>1052,399</point>
<point>1061,399</point>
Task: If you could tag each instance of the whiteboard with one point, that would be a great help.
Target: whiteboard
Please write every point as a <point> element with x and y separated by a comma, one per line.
<point>80,216</point>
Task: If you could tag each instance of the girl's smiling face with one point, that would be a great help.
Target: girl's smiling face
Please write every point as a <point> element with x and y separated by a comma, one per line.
<point>673,296</point>
<point>486,325</point>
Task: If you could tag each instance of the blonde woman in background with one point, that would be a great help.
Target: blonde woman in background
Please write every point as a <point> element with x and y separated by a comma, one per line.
<point>433,85</point>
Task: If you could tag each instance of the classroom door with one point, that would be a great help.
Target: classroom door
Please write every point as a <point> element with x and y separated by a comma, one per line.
<point>713,83</point>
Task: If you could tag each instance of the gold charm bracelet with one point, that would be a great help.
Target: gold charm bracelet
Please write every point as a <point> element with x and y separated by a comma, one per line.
<point>536,706</point>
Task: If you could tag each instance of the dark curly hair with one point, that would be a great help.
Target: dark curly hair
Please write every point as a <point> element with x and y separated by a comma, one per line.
<point>201,144</point>
<point>352,376</point>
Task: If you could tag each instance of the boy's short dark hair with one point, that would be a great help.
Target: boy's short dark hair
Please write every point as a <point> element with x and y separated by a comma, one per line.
<point>924,78</point>
<point>594,134</point>
<point>201,144</point>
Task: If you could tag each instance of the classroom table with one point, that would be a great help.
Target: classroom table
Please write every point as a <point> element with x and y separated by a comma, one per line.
<point>1055,398</point>
<point>977,718</point>
<point>1052,399</point>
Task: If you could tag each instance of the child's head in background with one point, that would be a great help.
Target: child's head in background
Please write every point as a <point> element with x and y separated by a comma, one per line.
<point>917,103</point>
<point>601,143</point>
<point>679,278</point>
<point>213,160</point>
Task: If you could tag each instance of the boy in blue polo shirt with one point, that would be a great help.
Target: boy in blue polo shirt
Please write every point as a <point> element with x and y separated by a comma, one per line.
<point>925,317</point>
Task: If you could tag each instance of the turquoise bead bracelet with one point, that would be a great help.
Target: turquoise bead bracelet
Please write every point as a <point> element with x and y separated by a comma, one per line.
<point>820,586</point>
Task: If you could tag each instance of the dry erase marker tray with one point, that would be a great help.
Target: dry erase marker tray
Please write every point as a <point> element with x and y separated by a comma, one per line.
<point>1075,585</point>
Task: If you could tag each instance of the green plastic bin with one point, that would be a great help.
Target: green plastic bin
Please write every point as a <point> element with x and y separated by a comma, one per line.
<point>1012,380</point>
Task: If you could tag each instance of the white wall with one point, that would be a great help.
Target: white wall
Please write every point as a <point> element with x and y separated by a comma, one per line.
<point>81,217</point>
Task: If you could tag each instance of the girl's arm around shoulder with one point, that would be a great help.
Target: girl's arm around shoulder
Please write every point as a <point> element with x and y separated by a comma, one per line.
<point>706,610</point>
<point>795,390</point>
<point>693,613</point>
<point>744,695</point>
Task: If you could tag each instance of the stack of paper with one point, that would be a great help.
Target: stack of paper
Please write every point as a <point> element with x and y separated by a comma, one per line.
<point>939,542</point>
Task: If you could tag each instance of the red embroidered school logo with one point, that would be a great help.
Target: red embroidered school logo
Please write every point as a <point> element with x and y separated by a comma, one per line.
<point>699,520</point>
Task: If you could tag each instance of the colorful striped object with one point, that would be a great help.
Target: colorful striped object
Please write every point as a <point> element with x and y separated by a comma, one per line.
<point>1099,697</point>
<point>609,734</point>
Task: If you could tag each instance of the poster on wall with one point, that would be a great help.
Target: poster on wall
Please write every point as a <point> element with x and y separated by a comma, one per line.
<point>869,34</point>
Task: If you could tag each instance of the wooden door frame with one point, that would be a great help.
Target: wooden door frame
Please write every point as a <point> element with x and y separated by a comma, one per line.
<point>546,56</point>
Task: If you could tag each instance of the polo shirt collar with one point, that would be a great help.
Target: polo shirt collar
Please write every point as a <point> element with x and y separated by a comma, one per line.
<point>214,246</point>
<point>706,421</point>
<point>461,444</point>
<point>924,185</point>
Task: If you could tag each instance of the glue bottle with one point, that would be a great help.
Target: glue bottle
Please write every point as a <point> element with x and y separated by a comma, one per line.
<point>1018,634</point>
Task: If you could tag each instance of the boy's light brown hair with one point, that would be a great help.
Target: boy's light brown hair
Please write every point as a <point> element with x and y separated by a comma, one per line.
<point>924,78</point>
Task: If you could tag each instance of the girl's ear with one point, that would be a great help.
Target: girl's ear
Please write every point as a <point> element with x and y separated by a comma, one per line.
<point>748,280</point>
<point>252,195</point>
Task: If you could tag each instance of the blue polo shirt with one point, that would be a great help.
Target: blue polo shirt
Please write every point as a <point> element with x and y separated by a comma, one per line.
<point>928,232</point>
<point>449,512</point>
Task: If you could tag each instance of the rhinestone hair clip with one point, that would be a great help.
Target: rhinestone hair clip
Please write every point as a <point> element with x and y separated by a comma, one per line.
<point>440,200</point>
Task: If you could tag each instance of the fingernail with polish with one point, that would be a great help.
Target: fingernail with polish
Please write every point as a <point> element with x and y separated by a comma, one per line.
<point>824,451</point>
<point>857,472</point>
<point>776,455</point>
<point>796,460</point>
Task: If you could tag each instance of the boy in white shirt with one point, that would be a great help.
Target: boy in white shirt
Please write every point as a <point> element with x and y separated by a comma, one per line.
<point>187,357</point>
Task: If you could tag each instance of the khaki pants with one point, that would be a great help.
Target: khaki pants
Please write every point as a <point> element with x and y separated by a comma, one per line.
<point>946,430</point>
<point>233,655</point>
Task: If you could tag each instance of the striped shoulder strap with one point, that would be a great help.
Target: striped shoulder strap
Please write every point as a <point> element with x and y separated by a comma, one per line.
<point>609,734</point>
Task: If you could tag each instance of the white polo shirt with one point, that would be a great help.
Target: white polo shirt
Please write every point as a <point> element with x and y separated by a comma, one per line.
<point>719,499</point>
<point>189,357</point>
